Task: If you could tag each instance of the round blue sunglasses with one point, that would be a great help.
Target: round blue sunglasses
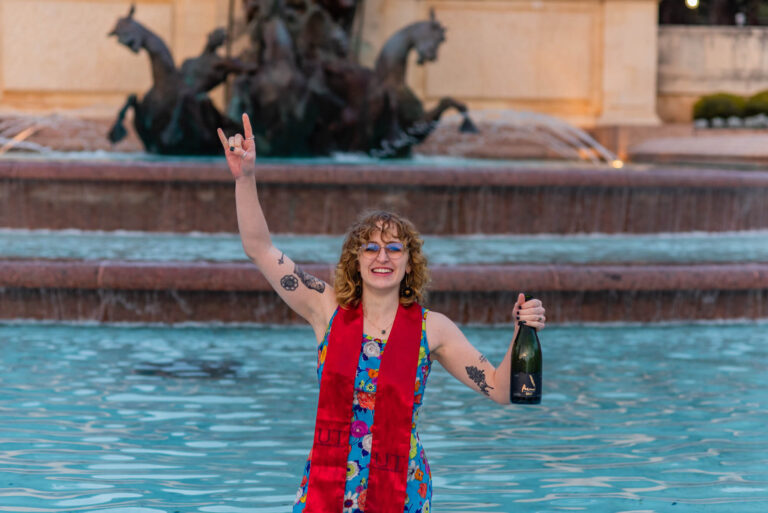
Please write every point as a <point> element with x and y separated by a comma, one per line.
<point>393,249</point>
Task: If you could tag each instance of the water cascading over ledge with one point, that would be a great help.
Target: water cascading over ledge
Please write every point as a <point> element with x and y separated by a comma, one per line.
<point>467,198</point>
<point>325,198</point>
<point>168,292</point>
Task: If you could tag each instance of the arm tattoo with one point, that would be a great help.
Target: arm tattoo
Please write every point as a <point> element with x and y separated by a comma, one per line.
<point>282,259</point>
<point>309,281</point>
<point>478,376</point>
<point>483,359</point>
<point>289,282</point>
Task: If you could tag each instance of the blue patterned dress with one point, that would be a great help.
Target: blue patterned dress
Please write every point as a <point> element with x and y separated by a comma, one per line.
<point>419,487</point>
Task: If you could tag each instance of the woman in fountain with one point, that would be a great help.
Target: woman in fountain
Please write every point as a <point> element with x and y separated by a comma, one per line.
<point>375,348</point>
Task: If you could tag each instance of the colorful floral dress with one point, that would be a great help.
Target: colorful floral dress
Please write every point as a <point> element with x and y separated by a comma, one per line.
<point>419,487</point>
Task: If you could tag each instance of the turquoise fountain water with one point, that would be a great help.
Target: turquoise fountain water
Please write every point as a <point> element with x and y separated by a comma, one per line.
<point>207,419</point>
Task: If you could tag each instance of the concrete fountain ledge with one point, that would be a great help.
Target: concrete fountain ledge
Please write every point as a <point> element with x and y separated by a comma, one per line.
<point>326,198</point>
<point>237,292</point>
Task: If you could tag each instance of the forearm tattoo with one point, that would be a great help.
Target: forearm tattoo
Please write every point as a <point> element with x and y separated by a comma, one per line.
<point>478,376</point>
<point>282,259</point>
<point>309,281</point>
<point>289,282</point>
<point>483,359</point>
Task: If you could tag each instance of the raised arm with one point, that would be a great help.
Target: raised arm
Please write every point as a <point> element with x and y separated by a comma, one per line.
<point>460,358</point>
<point>308,296</point>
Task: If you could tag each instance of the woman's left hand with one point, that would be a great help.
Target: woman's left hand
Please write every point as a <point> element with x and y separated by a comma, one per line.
<point>531,311</point>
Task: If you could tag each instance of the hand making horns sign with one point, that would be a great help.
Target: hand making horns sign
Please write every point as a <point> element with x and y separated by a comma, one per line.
<point>240,151</point>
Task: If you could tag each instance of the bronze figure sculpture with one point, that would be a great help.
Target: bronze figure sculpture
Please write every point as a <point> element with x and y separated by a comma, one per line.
<point>304,94</point>
<point>171,118</point>
<point>398,117</point>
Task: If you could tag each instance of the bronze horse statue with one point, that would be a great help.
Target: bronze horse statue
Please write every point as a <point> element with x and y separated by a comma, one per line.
<point>158,115</point>
<point>398,120</point>
<point>381,115</point>
<point>304,94</point>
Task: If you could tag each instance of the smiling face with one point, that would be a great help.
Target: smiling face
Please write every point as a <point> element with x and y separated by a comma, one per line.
<point>363,266</point>
<point>383,261</point>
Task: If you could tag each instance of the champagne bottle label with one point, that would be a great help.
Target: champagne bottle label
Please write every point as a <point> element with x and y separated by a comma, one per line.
<point>526,385</point>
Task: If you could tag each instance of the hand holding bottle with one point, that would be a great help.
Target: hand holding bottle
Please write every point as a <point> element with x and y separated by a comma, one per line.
<point>240,151</point>
<point>529,311</point>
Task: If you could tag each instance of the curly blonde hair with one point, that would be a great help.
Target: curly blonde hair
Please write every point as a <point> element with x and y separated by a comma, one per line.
<point>348,284</point>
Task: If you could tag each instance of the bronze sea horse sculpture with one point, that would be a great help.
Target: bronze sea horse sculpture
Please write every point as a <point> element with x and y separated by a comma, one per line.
<point>158,115</point>
<point>397,119</point>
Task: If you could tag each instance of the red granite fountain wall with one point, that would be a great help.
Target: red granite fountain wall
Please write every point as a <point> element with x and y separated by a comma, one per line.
<point>326,198</point>
<point>237,292</point>
<point>182,197</point>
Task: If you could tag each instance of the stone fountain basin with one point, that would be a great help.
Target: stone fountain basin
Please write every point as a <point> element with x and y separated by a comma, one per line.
<point>441,197</point>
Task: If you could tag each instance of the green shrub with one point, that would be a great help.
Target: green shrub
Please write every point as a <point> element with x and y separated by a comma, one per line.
<point>757,104</point>
<point>720,105</point>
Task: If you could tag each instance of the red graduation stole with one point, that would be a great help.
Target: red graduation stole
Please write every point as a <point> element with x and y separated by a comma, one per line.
<point>391,430</point>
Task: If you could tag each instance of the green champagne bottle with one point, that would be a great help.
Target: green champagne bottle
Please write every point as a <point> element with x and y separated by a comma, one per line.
<point>525,378</point>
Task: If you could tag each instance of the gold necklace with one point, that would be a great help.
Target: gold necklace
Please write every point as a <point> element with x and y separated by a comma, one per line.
<point>383,332</point>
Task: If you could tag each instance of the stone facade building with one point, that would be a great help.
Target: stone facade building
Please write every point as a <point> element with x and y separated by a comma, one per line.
<point>591,62</point>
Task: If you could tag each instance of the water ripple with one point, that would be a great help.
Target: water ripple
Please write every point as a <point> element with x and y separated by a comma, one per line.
<point>623,426</point>
<point>97,499</point>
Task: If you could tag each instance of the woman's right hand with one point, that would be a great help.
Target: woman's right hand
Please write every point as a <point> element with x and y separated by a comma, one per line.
<point>240,151</point>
